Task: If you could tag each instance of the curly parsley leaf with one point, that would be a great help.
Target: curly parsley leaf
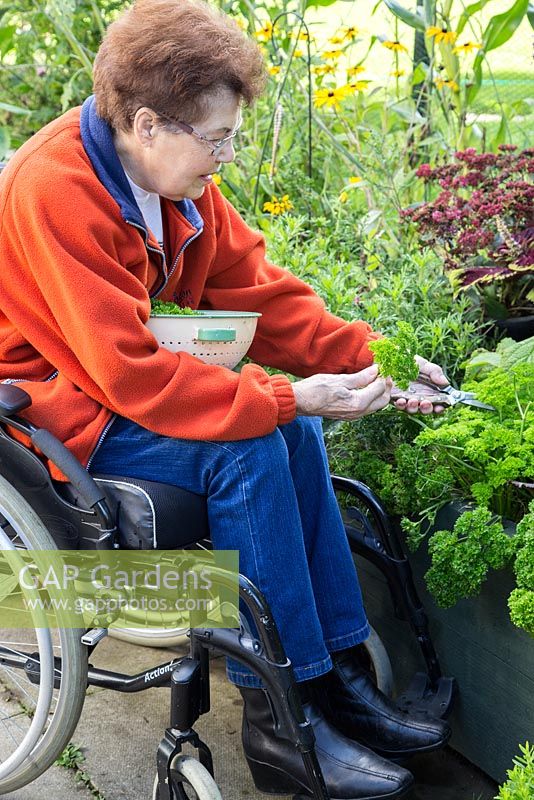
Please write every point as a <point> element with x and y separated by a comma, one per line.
<point>395,355</point>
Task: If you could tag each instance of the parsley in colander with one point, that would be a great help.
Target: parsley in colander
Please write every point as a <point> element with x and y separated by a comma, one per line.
<point>160,307</point>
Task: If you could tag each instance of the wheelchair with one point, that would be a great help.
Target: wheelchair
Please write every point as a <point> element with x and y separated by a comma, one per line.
<point>50,669</point>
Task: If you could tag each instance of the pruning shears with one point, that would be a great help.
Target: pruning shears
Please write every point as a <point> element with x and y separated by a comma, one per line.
<point>424,389</point>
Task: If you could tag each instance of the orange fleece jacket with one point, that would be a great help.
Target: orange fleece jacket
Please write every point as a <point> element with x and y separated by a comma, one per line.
<point>74,300</point>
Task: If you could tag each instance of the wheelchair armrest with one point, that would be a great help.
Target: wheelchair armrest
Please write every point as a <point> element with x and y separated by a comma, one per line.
<point>13,399</point>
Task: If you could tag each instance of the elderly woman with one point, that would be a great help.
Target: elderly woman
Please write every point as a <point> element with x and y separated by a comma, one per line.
<point>114,203</point>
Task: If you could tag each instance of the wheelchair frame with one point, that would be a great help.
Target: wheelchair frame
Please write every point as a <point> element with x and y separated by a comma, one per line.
<point>371,535</point>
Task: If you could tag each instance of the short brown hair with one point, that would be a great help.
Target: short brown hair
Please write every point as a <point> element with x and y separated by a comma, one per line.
<point>171,56</point>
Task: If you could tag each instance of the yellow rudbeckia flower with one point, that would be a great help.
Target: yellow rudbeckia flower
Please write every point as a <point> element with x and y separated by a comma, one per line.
<point>356,86</point>
<point>331,55</point>
<point>441,35</point>
<point>350,33</point>
<point>466,47</point>
<point>331,98</point>
<point>323,69</point>
<point>353,71</point>
<point>264,33</point>
<point>441,82</point>
<point>400,48</point>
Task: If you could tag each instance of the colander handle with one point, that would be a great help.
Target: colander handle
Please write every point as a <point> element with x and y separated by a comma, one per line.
<point>215,334</point>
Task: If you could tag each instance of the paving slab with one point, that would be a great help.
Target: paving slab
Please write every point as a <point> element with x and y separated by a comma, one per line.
<point>57,782</point>
<point>119,735</point>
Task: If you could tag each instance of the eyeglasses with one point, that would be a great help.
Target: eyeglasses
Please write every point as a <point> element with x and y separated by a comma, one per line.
<point>216,145</point>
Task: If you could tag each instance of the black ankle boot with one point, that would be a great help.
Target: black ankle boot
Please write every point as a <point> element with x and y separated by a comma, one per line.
<point>350,701</point>
<point>351,772</point>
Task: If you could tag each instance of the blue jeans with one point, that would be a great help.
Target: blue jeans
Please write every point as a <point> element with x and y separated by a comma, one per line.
<point>271,498</point>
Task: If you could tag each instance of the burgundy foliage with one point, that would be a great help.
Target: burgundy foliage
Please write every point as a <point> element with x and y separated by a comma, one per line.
<point>482,220</point>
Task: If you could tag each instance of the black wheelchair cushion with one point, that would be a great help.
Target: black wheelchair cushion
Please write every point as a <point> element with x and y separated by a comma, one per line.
<point>150,514</point>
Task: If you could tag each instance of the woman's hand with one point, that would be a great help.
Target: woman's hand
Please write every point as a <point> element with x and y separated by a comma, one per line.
<point>342,396</point>
<point>432,372</point>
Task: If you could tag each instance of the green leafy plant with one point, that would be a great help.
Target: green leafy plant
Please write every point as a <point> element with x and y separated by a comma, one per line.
<point>46,51</point>
<point>521,601</point>
<point>484,460</point>
<point>520,783</point>
<point>448,84</point>
<point>487,456</point>
<point>462,557</point>
<point>73,758</point>
<point>506,355</point>
<point>395,355</point>
<point>159,307</point>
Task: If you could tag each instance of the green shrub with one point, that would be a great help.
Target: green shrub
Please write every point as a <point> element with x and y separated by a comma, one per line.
<point>520,783</point>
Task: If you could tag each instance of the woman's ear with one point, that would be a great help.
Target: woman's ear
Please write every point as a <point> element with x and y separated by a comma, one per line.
<point>144,126</point>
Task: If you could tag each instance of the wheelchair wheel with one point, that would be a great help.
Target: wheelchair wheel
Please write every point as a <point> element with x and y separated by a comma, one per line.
<point>151,637</point>
<point>36,720</point>
<point>379,663</point>
<point>190,781</point>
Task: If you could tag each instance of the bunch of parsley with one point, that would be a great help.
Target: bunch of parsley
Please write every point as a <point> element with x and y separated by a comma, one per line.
<point>395,355</point>
<point>159,307</point>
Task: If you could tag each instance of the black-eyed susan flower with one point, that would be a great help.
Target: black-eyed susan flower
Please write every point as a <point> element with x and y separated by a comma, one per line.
<point>336,39</point>
<point>331,55</point>
<point>264,33</point>
<point>277,206</point>
<point>298,53</point>
<point>466,47</point>
<point>441,35</point>
<point>397,46</point>
<point>398,73</point>
<point>303,36</point>
<point>323,69</point>
<point>330,97</point>
<point>274,70</point>
<point>356,86</point>
<point>441,83</point>
<point>353,71</point>
<point>349,33</point>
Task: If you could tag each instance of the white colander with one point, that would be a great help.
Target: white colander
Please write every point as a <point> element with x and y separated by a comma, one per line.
<point>216,337</point>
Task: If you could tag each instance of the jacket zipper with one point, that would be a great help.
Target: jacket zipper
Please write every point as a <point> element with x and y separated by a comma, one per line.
<point>50,378</point>
<point>185,244</point>
<point>160,289</point>
<point>27,380</point>
<point>148,247</point>
<point>100,440</point>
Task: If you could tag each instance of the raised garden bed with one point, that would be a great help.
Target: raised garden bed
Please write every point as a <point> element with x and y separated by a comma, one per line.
<point>491,659</point>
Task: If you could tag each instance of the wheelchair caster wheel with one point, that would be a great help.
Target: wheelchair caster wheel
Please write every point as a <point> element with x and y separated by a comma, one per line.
<point>190,781</point>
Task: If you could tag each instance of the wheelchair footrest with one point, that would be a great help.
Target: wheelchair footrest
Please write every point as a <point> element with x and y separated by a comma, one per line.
<point>435,700</point>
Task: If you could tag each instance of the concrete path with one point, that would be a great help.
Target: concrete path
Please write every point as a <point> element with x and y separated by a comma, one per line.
<point>119,734</point>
